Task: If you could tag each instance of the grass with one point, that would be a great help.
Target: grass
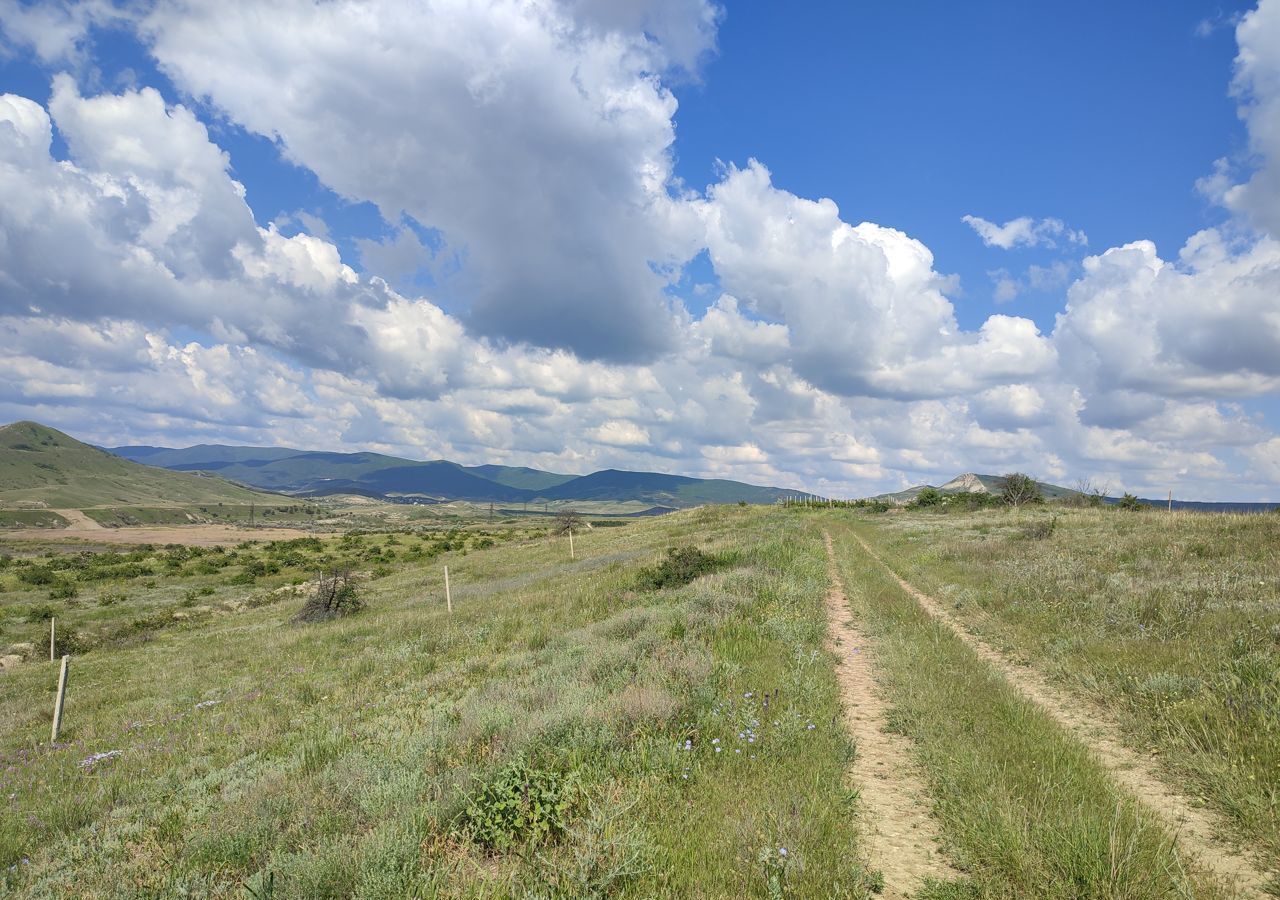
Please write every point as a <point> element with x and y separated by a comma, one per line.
<point>1024,809</point>
<point>1169,621</point>
<point>591,727</point>
<point>341,759</point>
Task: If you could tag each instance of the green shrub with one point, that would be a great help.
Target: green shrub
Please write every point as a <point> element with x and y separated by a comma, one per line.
<point>62,590</point>
<point>1130,502</point>
<point>37,576</point>
<point>41,613</point>
<point>520,806</point>
<point>681,566</point>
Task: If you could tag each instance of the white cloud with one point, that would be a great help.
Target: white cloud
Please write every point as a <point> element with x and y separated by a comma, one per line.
<point>1025,232</point>
<point>1257,87</point>
<point>539,147</point>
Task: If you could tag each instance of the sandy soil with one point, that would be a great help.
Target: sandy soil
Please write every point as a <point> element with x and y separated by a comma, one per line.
<point>1197,830</point>
<point>900,835</point>
<point>193,535</point>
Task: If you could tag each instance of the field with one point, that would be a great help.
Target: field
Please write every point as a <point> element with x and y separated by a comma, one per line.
<point>817,703</point>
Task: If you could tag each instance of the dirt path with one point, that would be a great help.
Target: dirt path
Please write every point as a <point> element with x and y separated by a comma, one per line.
<point>902,839</point>
<point>1196,829</point>
<point>79,521</point>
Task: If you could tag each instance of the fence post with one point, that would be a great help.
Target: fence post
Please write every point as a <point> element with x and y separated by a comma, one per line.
<point>571,556</point>
<point>57,706</point>
<point>52,643</point>
<point>448,598</point>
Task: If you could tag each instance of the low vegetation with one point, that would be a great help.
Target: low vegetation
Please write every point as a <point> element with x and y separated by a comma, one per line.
<point>658,716</point>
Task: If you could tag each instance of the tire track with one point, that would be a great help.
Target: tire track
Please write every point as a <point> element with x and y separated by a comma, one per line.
<point>1196,830</point>
<point>902,838</point>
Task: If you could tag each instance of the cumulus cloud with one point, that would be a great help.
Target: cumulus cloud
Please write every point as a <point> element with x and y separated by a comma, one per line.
<point>526,172</point>
<point>1257,87</point>
<point>538,145</point>
<point>1025,232</point>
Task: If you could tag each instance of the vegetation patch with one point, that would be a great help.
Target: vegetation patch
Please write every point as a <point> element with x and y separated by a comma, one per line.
<point>681,566</point>
<point>335,595</point>
<point>520,806</point>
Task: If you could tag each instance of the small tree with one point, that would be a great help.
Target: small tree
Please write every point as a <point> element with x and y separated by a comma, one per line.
<point>1090,493</point>
<point>1131,502</point>
<point>1020,489</point>
<point>567,521</point>
<point>335,595</point>
<point>929,496</point>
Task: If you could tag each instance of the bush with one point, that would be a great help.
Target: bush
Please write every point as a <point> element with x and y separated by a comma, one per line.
<point>520,806</point>
<point>62,590</point>
<point>566,521</point>
<point>1130,502</point>
<point>681,566</point>
<point>42,613</point>
<point>37,576</point>
<point>1019,489</point>
<point>336,595</point>
<point>928,496</point>
<point>1038,531</point>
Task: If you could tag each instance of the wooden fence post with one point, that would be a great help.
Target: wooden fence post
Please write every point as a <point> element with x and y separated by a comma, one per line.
<point>57,705</point>
<point>571,556</point>
<point>52,643</point>
<point>448,598</point>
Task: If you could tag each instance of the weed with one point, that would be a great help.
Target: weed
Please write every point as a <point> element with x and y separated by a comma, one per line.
<point>520,806</point>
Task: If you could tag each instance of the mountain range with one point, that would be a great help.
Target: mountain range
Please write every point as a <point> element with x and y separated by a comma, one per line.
<point>309,473</point>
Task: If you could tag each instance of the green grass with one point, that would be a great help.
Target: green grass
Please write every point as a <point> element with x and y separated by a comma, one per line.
<point>341,759</point>
<point>1024,809</point>
<point>1170,622</point>
<point>31,518</point>
<point>557,735</point>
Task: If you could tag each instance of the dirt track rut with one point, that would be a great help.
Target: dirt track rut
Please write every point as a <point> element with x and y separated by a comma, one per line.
<point>901,837</point>
<point>1196,830</point>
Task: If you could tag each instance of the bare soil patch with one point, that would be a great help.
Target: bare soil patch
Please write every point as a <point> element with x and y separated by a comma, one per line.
<point>1199,831</point>
<point>191,535</point>
<point>901,836</point>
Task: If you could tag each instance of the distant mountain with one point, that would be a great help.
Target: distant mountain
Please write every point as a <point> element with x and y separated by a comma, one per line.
<point>973,483</point>
<point>312,473</point>
<point>40,465</point>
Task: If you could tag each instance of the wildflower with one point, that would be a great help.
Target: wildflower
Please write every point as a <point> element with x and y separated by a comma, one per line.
<point>90,761</point>
<point>810,726</point>
<point>782,851</point>
<point>715,740</point>
<point>718,749</point>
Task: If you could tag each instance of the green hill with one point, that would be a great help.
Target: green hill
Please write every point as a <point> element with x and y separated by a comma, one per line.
<point>43,466</point>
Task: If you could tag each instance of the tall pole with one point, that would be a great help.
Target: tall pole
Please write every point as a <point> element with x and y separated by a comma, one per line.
<point>448,598</point>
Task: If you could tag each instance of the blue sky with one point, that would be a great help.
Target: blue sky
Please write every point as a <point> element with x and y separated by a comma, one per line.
<point>578,234</point>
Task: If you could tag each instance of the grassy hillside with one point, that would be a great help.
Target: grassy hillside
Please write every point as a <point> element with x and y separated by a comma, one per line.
<point>679,725</point>
<point>42,465</point>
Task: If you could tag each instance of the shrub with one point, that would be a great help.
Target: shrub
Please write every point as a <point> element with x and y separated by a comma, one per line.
<point>1019,489</point>
<point>520,806</point>
<point>1130,502</point>
<point>681,566</point>
<point>62,590</point>
<point>1038,531</point>
<point>37,576</point>
<point>110,598</point>
<point>567,520</point>
<point>335,595</point>
<point>928,496</point>
<point>42,613</point>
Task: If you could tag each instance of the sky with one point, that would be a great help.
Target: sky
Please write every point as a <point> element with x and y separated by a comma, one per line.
<point>844,246</point>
